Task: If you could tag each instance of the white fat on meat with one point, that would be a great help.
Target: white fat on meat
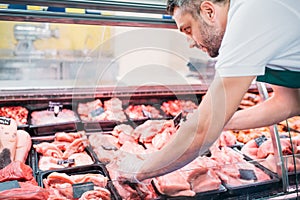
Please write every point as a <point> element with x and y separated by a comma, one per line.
<point>23,145</point>
<point>173,184</point>
<point>8,140</point>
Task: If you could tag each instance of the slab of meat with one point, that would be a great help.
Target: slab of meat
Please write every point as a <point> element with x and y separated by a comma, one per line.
<point>60,185</point>
<point>16,170</point>
<point>124,190</point>
<point>23,146</point>
<point>105,146</point>
<point>173,107</point>
<point>98,194</point>
<point>68,137</point>
<point>8,140</point>
<point>249,99</point>
<point>124,133</point>
<point>173,184</point>
<point>226,138</point>
<point>78,145</point>
<point>46,117</point>
<point>138,111</point>
<point>27,191</point>
<point>18,113</point>
<point>84,109</point>
<point>48,149</point>
<point>149,129</point>
<point>231,164</point>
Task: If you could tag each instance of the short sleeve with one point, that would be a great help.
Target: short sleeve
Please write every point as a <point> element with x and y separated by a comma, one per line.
<point>257,32</point>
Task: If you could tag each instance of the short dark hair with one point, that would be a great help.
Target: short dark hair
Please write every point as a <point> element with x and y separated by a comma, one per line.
<point>187,5</point>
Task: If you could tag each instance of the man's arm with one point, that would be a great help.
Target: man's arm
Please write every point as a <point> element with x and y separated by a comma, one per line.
<point>285,103</point>
<point>201,129</point>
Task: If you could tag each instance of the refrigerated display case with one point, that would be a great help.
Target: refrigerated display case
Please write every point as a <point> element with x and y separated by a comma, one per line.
<point>78,57</point>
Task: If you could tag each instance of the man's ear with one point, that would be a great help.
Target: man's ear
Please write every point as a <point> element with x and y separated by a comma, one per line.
<point>207,11</point>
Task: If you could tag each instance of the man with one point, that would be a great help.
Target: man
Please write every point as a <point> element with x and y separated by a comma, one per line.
<point>252,39</point>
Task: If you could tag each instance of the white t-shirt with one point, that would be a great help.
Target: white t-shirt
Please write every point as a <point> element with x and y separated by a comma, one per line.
<point>259,34</point>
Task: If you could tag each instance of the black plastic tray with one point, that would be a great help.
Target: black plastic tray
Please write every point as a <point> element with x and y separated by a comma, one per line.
<point>49,129</point>
<point>35,157</point>
<point>20,126</point>
<point>248,189</point>
<point>209,195</point>
<point>92,169</point>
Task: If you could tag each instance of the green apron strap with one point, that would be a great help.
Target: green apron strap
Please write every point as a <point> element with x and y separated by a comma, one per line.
<point>285,78</point>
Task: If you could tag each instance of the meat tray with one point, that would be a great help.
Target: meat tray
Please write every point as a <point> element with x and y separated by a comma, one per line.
<point>260,188</point>
<point>21,126</point>
<point>91,169</point>
<point>51,128</point>
<point>209,195</point>
<point>34,157</point>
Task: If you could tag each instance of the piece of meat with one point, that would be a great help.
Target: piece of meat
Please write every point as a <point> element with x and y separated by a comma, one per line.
<point>126,129</point>
<point>133,148</point>
<point>97,179</point>
<point>48,117</point>
<point>250,149</point>
<point>125,191</point>
<point>84,109</point>
<point>149,129</point>
<point>265,149</point>
<point>8,140</point>
<point>227,138</point>
<point>77,146</point>
<point>203,182</point>
<point>48,163</point>
<point>173,183</point>
<point>108,142</point>
<point>18,113</point>
<point>160,140</point>
<point>99,193</point>
<point>23,145</point>
<point>48,149</point>
<point>57,178</point>
<point>27,191</point>
<point>16,170</point>
<point>114,104</point>
<point>81,158</point>
<point>68,137</point>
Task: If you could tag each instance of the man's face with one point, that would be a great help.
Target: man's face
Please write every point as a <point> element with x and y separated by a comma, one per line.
<point>206,37</point>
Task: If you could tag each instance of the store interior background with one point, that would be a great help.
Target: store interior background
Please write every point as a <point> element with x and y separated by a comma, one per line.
<point>92,55</point>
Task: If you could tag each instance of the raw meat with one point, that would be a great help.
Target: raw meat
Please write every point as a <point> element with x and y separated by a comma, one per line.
<point>230,165</point>
<point>18,113</point>
<point>138,112</point>
<point>23,146</point>
<point>173,183</point>
<point>27,191</point>
<point>16,170</point>
<point>62,150</point>
<point>173,107</point>
<point>47,117</point>
<point>84,109</point>
<point>60,185</point>
<point>97,194</point>
<point>8,140</point>
<point>48,149</point>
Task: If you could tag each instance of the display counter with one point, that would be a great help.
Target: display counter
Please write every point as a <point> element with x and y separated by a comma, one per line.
<point>85,86</point>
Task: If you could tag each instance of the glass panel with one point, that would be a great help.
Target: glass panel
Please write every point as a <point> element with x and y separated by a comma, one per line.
<point>51,55</point>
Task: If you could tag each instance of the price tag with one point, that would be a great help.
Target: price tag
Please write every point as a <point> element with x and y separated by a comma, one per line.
<point>247,174</point>
<point>68,161</point>
<point>9,185</point>
<point>80,188</point>
<point>5,121</point>
<point>260,140</point>
<point>97,112</point>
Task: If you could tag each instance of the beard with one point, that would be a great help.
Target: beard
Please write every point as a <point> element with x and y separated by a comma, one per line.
<point>212,38</point>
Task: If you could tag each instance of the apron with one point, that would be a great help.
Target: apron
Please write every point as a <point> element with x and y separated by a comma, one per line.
<point>286,78</point>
